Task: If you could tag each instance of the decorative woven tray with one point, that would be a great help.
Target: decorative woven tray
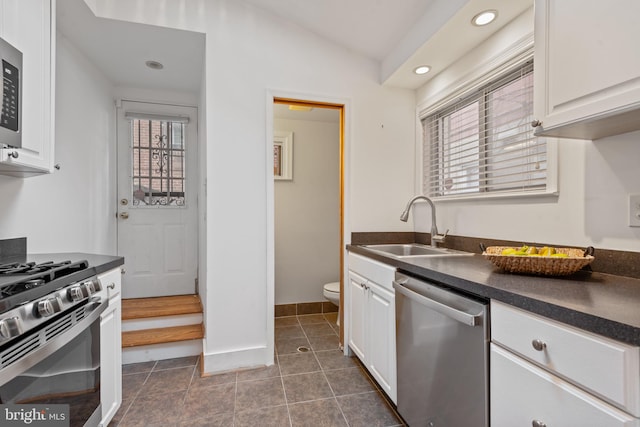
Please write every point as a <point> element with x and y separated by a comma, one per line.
<point>544,265</point>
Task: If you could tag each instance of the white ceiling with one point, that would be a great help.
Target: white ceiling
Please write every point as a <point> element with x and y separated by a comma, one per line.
<point>370,27</point>
<point>119,49</point>
<point>383,30</point>
<point>398,34</point>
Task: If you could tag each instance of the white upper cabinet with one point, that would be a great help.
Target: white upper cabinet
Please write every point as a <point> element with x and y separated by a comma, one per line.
<point>587,68</point>
<point>29,25</point>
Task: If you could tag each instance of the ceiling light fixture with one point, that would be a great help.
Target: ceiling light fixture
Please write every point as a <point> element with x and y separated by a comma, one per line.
<point>484,18</point>
<point>154,65</point>
<point>300,108</point>
<point>423,69</point>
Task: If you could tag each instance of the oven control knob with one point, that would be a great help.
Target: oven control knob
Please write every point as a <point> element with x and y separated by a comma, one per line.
<point>10,327</point>
<point>75,293</point>
<point>91,287</point>
<point>49,306</point>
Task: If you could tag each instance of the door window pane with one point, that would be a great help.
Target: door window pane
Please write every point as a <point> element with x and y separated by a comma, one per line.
<point>158,152</point>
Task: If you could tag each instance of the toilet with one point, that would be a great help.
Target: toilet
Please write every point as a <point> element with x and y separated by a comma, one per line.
<point>331,291</point>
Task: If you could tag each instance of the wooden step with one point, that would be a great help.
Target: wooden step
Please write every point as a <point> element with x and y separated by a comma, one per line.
<point>140,308</point>
<point>162,335</point>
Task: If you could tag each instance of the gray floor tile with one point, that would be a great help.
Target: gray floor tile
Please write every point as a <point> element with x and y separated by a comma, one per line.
<point>132,383</point>
<point>171,393</point>
<point>332,318</point>
<point>325,413</point>
<point>303,387</point>
<point>288,332</point>
<point>220,420</point>
<point>155,409</point>
<point>298,363</point>
<point>167,380</point>
<point>335,359</point>
<point>276,416</point>
<point>290,346</point>
<point>215,400</point>
<point>259,373</point>
<point>317,329</point>
<point>198,382</point>
<point>311,318</point>
<point>367,410</point>
<point>286,321</point>
<point>349,381</point>
<point>135,368</point>
<point>259,394</point>
<point>324,342</point>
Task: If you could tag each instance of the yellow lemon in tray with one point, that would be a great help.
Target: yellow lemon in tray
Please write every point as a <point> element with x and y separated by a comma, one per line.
<point>547,251</point>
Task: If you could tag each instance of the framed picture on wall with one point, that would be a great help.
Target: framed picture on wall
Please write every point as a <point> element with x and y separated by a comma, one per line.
<point>283,155</point>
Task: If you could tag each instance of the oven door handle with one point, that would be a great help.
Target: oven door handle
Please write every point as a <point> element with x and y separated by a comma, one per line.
<point>451,312</point>
<point>94,309</point>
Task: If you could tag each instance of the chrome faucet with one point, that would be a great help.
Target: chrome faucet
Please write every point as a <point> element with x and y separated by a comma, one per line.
<point>435,237</point>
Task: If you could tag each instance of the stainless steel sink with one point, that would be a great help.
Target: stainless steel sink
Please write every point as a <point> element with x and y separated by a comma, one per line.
<point>414,250</point>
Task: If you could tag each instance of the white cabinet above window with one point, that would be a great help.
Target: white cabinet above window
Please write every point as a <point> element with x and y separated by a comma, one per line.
<point>29,25</point>
<point>587,75</point>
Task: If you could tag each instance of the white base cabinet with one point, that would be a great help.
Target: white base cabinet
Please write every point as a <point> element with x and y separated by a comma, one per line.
<point>546,373</point>
<point>525,395</point>
<point>111,347</point>
<point>371,319</point>
<point>587,68</point>
<point>30,26</point>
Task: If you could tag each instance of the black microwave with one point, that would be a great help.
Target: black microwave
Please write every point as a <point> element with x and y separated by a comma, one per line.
<point>10,96</point>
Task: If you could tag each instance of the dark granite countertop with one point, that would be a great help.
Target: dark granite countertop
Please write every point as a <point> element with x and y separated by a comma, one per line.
<point>600,303</point>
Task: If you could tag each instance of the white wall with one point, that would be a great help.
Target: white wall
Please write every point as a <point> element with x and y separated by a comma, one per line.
<point>249,54</point>
<point>594,178</point>
<point>307,212</point>
<point>70,210</point>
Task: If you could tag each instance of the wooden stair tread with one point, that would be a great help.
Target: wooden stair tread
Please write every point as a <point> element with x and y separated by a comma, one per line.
<point>162,335</point>
<point>140,308</point>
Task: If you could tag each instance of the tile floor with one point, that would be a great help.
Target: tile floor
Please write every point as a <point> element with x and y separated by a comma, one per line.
<point>319,387</point>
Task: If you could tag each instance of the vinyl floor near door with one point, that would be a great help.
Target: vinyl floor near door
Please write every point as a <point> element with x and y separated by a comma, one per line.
<point>319,387</point>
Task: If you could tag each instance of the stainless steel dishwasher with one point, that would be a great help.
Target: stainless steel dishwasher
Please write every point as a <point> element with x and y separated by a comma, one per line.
<point>442,340</point>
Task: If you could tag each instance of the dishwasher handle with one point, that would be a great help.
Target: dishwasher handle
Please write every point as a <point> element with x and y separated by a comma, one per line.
<point>451,312</point>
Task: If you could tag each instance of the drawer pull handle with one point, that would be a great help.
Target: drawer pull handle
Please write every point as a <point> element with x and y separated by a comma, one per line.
<point>537,423</point>
<point>111,286</point>
<point>539,345</point>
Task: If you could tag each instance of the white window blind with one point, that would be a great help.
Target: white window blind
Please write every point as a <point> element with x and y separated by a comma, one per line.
<point>483,143</point>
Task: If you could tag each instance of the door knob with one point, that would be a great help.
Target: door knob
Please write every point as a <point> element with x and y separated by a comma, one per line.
<point>124,215</point>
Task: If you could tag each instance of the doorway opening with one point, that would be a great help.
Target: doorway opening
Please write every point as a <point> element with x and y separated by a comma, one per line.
<point>308,162</point>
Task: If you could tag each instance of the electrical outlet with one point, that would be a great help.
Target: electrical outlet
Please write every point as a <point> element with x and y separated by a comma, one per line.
<point>634,210</point>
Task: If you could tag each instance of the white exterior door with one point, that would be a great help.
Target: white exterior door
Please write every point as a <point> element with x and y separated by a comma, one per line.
<point>157,206</point>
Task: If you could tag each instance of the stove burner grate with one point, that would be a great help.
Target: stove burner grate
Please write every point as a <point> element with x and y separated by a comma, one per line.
<point>36,275</point>
<point>30,267</point>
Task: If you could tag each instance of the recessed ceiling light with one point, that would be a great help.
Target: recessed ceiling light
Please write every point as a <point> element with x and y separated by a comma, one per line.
<point>484,18</point>
<point>300,108</point>
<point>154,65</point>
<point>423,69</point>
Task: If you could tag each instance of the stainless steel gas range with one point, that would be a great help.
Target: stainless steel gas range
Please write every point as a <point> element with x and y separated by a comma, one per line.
<point>50,308</point>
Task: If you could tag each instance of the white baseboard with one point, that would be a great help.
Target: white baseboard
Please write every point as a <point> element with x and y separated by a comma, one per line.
<point>171,350</point>
<point>251,357</point>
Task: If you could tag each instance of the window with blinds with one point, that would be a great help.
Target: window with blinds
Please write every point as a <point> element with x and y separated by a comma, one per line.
<point>484,143</point>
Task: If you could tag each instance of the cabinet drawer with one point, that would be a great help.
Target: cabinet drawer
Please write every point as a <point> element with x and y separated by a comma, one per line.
<point>605,367</point>
<point>111,282</point>
<point>377,272</point>
<point>522,393</point>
